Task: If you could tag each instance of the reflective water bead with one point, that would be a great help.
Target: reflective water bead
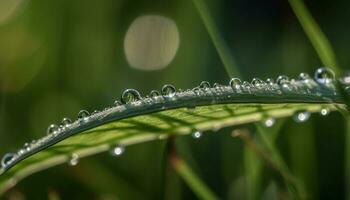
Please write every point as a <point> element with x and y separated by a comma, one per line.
<point>301,116</point>
<point>303,76</point>
<point>235,83</point>
<point>66,121</point>
<point>324,111</point>
<point>169,90</point>
<point>6,159</point>
<point>270,81</point>
<point>197,134</point>
<point>154,93</point>
<point>130,95</point>
<point>117,150</point>
<point>216,85</point>
<point>52,129</point>
<point>117,103</point>
<point>282,79</point>
<point>204,84</point>
<point>324,75</point>
<point>83,114</point>
<point>257,82</point>
<point>269,122</point>
<point>74,159</point>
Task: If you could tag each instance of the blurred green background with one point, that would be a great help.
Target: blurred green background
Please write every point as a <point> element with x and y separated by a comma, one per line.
<point>57,57</point>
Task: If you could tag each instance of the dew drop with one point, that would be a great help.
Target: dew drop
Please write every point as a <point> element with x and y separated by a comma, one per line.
<point>26,146</point>
<point>66,122</point>
<point>53,128</point>
<point>216,85</point>
<point>197,134</point>
<point>324,111</point>
<point>154,93</point>
<point>204,84</point>
<point>303,76</point>
<point>130,95</point>
<point>270,81</point>
<point>257,82</point>
<point>324,75</point>
<point>117,103</point>
<point>235,83</point>
<point>301,116</point>
<point>269,122</point>
<point>282,80</point>
<point>83,115</point>
<point>169,90</point>
<point>118,150</point>
<point>6,159</point>
<point>74,159</point>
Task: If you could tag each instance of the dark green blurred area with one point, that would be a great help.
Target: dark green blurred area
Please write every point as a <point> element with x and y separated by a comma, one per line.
<point>57,57</point>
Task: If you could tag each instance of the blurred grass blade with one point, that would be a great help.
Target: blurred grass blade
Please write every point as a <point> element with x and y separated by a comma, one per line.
<point>192,180</point>
<point>315,35</point>
<point>221,46</point>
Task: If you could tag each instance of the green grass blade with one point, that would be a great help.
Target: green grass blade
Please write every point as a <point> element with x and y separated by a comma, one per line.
<point>221,46</point>
<point>315,35</point>
<point>161,117</point>
<point>192,180</point>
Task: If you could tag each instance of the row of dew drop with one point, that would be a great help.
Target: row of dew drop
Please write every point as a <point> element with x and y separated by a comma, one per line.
<point>323,76</point>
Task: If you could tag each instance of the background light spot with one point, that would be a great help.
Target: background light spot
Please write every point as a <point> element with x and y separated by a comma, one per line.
<point>151,42</point>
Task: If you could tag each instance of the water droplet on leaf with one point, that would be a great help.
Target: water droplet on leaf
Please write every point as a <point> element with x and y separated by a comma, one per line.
<point>324,75</point>
<point>282,80</point>
<point>269,122</point>
<point>117,150</point>
<point>53,128</point>
<point>130,95</point>
<point>168,90</point>
<point>74,159</point>
<point>235,83</point>
<point>154,93</point>
<point>83,115</point>
<point>6,159</point>
<point>66,121</point>
<point>197,134</point>
<point>302,116</point>
<point>204,84</point>
<point>324,111</point>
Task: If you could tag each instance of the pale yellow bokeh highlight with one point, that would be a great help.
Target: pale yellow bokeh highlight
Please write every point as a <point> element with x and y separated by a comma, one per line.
<point>151,42</point>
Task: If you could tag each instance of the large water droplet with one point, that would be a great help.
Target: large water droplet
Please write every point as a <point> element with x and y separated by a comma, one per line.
<point>66,121</point>
<point>130,95</point>
<point>197,134</point>
<point>324,111</point>
<point>52,129</point>
<point>324,75</point>
<point>169,90</point>
<point>117,150</point>
<point>235,83</point>
<point>6,159</point>
<point>301,116</point>
<point>74,159</point>
<point>269,122</point>
<point>204,84</point>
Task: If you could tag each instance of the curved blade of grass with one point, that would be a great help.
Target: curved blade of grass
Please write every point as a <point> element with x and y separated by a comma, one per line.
<point>192,180</point>
<point>315,35</point>
<point>219,43</point>
<point>163,116</point>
